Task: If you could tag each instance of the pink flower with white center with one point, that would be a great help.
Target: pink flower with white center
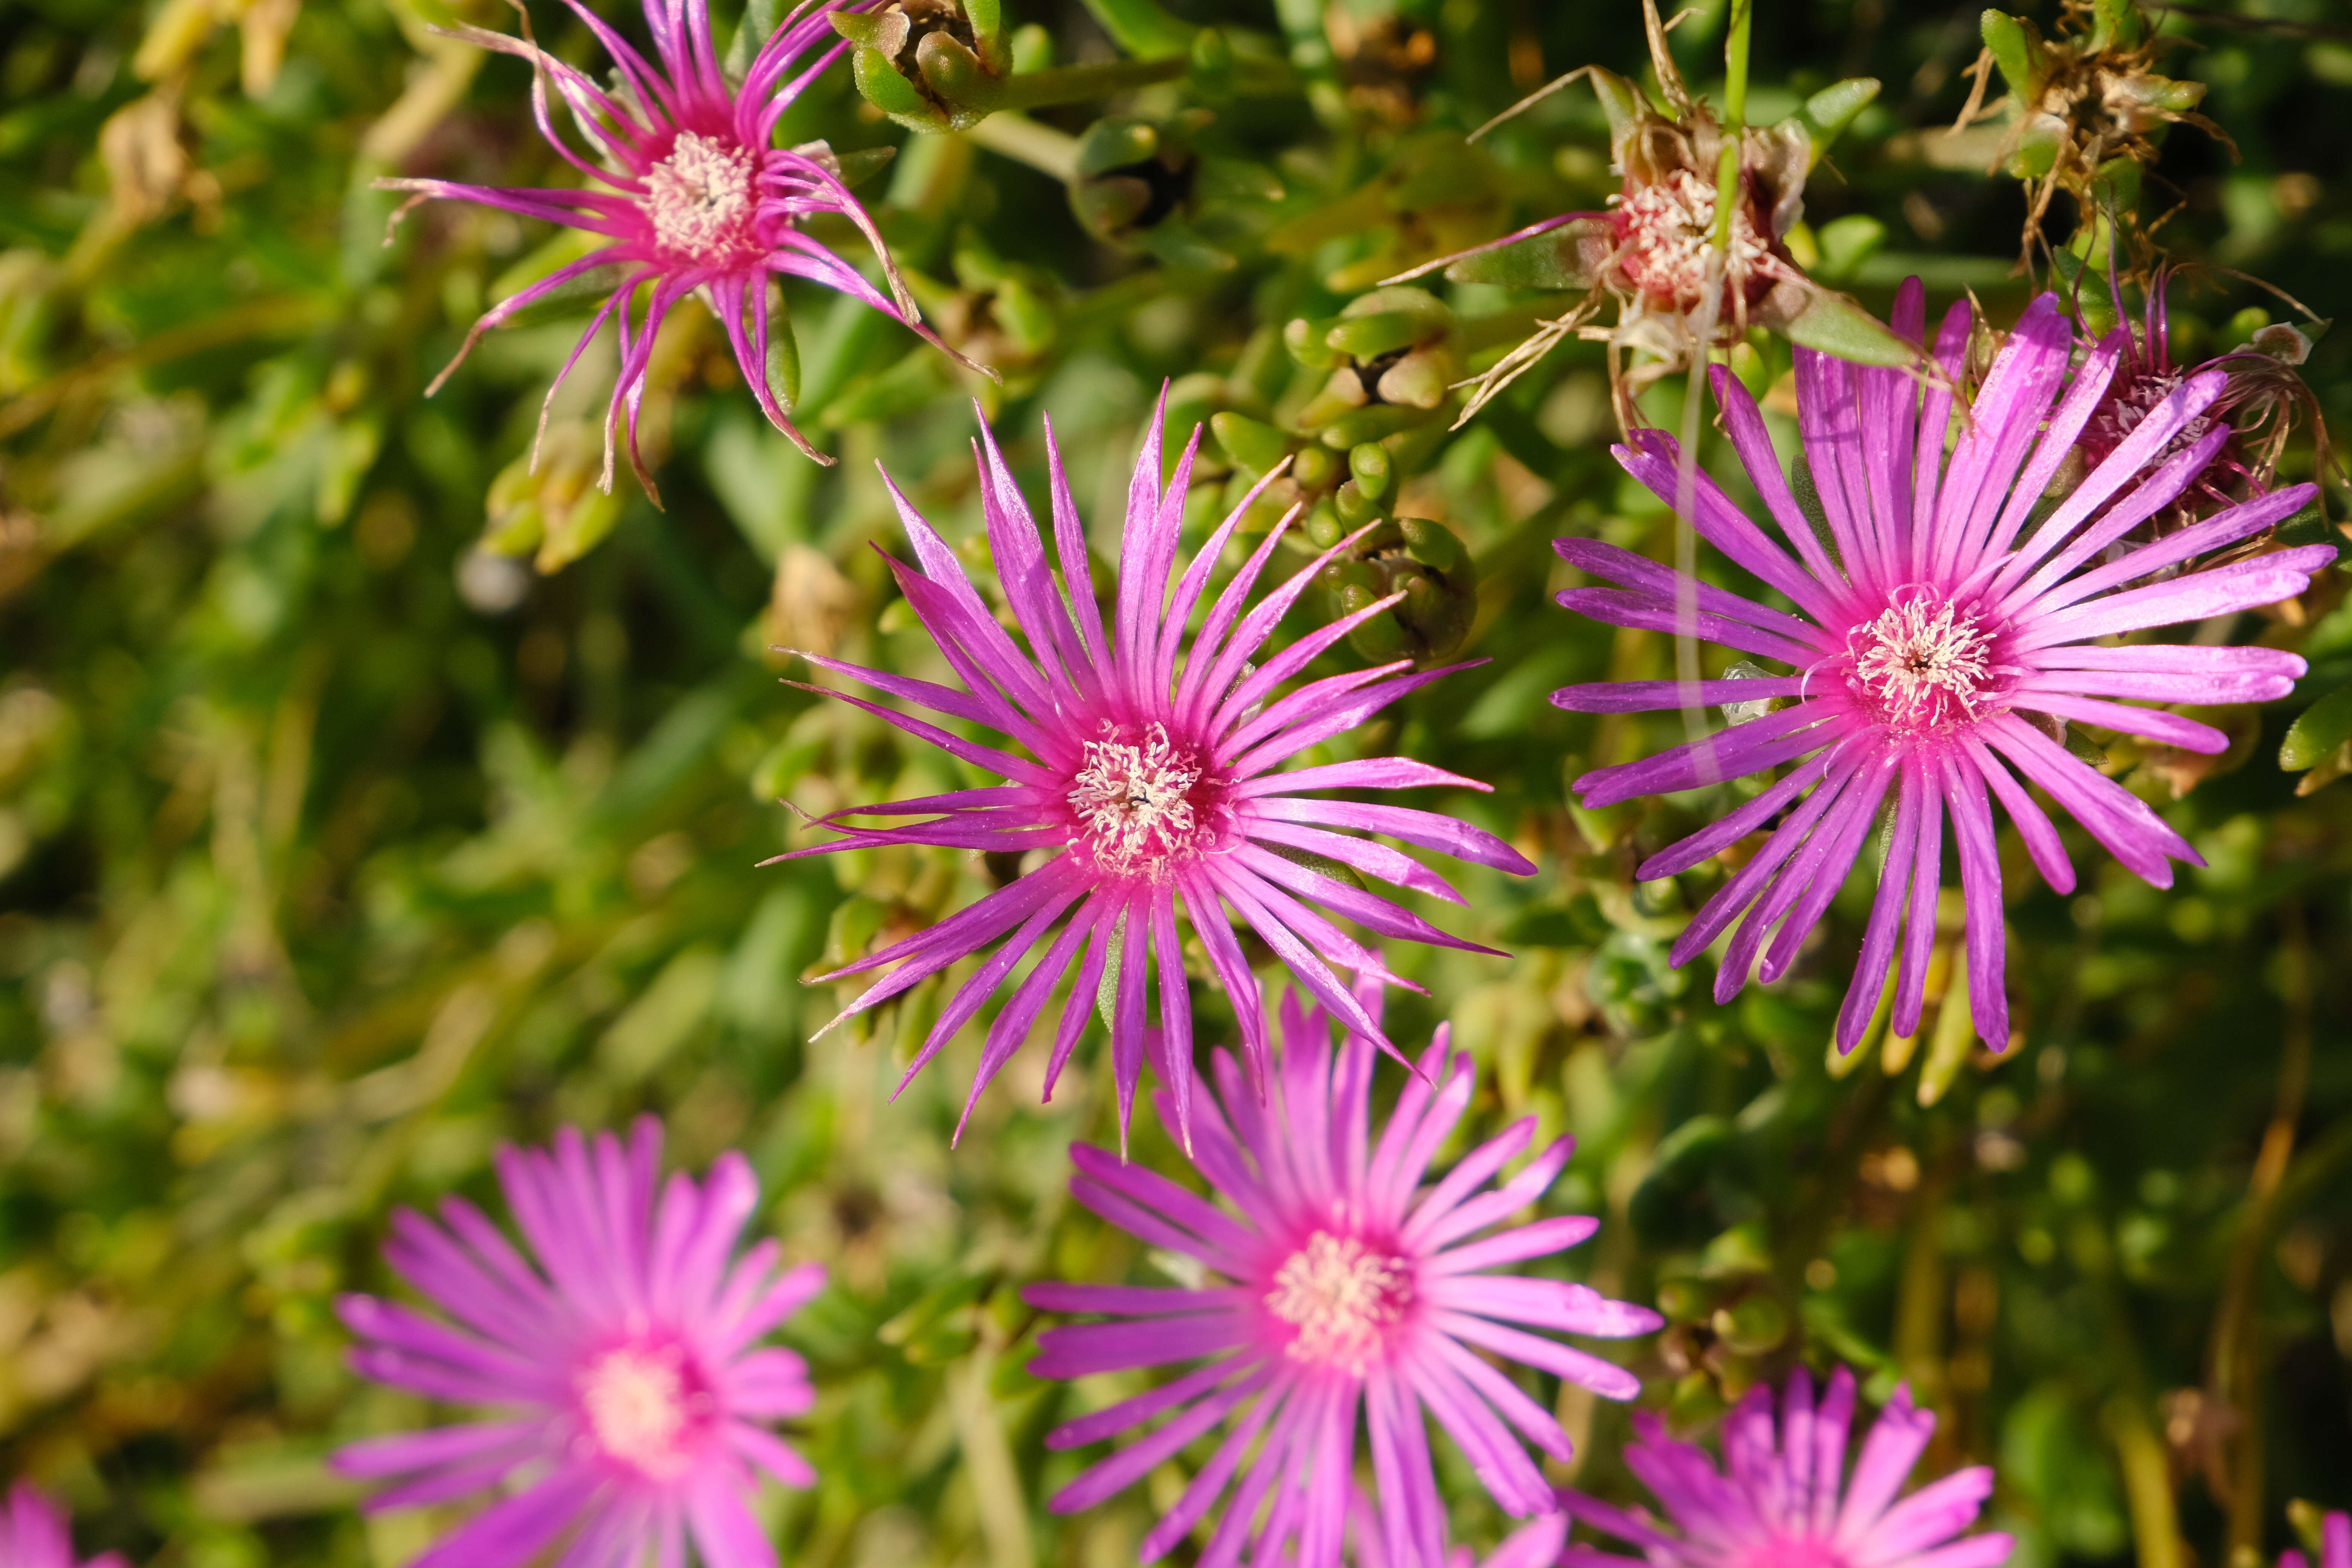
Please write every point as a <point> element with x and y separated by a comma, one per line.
<point>630,1394</point>
<point>1931,643</point>
<point>1334,1286</point>
<point>1782,1499</point>
<point>689,194</point>
<point>32,1534</point>
<point>2335,1545</point>
<point>1152,790</point>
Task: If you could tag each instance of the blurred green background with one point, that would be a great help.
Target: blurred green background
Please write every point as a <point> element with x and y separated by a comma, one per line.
<point>365,802</point>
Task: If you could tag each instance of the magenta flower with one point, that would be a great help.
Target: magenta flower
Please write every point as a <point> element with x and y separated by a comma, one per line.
<point>687,194</point>
<point>1929,659</point>
<point>2335,1545</point>
<point>32,1534</point>
<point>630,1395</point>
<point>1778,1502</point>
<point>1153,791</point>
<point>1333,1285</point>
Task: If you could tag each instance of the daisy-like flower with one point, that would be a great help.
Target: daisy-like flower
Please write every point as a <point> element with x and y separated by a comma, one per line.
<point>1334,1289</point>
<point>688,195</point>
<point>630,1394</point>
<point>1152,790</point>
<point>2335,1545</point>
<point>1934,645</point>
<point>32,1534</point>
<point>1782,1499</point>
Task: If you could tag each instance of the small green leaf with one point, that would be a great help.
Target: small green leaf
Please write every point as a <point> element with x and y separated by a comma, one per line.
<point>2315,735</point>
<point>1827,112</point>
<point>1834,324</point>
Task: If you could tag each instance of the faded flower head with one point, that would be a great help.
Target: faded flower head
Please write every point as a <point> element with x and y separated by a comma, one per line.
<point>2084,112</point>
<point>1150,789</point>
<point>33,1534</point>
<point>690,198</point>
<point>2264,400</point>
<point>1782,1499</point>
<point>1335,1289</point>
<point>1681,289</point>
<point>630,1395</point>
<point>1935,644</point>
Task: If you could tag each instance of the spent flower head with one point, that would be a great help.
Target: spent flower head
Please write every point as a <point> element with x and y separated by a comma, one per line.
<point>689,197</point>
<point>630,1398</point>
<point>1934,645</point>
<point>1336,1291</point>
<point>1151,789</point>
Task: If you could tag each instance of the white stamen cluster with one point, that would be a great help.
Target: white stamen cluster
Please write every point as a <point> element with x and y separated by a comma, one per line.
<point>1669,227</point>
<point>636,1405</point>
<point>700,197</point>
<point>1923,663</point>
<point>1343,1298</point>
<point>1132,800</point>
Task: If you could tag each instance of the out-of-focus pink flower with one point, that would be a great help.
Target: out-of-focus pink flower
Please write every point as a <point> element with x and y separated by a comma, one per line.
<point>632,1396</point>
<point>32,1534</point>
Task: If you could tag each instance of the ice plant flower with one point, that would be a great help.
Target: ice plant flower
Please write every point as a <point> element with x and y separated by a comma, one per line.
<point>1148,789</point>
<point>1782,1499</point>
<point>1333,1290</point>
<point>688,196</point>
<point>2335,1545</point>
<point>32,1534</point>
<point>1929,655</point>
<point>629,1394</point>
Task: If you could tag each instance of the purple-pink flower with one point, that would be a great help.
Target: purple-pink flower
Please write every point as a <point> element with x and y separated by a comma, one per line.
<point>1782,1499</point>
<point>630,1397</point>
<point>1934,643</point>
<point>688,193</point>
<point>1334,1289</point>
<point>1153,790</point>
<point>2335,1545</point>
<point>32,1534</point>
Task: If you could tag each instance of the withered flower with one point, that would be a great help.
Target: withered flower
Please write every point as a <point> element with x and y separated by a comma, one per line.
<point>2084,109</point>
<point>1653,251</point>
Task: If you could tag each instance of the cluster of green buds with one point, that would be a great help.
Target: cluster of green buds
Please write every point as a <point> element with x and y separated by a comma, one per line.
<point>1725,1317</point>
<point>1424,562</point>
<point>547,504</point>
<point>2082,112</point>
<point>1393,359</point>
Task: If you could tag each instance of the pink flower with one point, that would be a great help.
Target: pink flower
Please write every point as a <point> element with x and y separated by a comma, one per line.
<point>2335,1545</point>
<point>1781,1499</point>
<point>1927,660</point>
<point>1333,1284</point>
<point>687,194</point>
<point>1153,791</point>
<point>32,1534</point>
<point>632,1395</point>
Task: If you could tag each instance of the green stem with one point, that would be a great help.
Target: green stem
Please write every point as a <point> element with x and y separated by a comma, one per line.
<point>1735,117</point>
<point>1076,84</point>
<point>1025,141</point>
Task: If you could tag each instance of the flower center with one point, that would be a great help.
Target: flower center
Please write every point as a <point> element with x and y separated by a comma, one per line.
<point>1343,1298</point>
<point>2133,402</point>
<point>1133,797</point>
<point>1924,664</point>
<point>644,1407</point>
<point>699,197</point>
<point>1666,228</point>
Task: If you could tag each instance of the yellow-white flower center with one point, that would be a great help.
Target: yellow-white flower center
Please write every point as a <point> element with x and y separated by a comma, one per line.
<point>1923,663</point>
<point>639,1408</point>
<point>700,197</point>
<point>1132,795</point>
<point>1667,229</point>
<point>1343,1298</point>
